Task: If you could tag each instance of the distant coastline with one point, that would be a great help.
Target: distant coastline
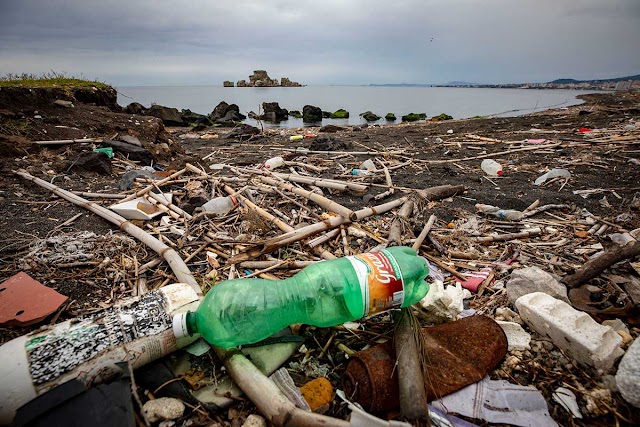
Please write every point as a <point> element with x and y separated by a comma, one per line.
<point>618,83</point>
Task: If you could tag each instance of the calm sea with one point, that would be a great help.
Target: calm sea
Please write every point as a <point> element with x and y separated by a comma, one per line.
<point>457,102</point>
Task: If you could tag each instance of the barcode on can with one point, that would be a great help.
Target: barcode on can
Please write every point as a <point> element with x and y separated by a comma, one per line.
<point>398,298</point>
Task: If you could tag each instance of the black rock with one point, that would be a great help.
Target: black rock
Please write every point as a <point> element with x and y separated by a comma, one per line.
<point>127,180</point>
<point>331,128</point>
<point>242,132</point>
<point>231,116</point>
<point>91,161</point>
<point>326,114</point>
<point>296,114</point>
<point>311,114</point>
<point>134,108</point>
<point>273,112</point>
<point>328,143</point>
<point>195,119</point>
<point>169,116</point>
<point>222,110</point>
<point>132,152</point>
<point>584,112</point>
<point>369,116</point>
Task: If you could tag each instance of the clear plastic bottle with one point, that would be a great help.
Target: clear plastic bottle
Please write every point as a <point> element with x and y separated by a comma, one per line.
<point>221,205</point>
<point>508,214</point>
<point>491,167</point>
<point>328,293</point>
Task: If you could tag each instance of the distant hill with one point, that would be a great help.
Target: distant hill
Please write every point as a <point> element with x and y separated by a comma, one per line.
<point>462,84</point>
<point>400,84</point>
<point>618,79</point>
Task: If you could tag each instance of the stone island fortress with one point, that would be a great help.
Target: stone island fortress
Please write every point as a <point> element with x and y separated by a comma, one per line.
<point>260,78</point>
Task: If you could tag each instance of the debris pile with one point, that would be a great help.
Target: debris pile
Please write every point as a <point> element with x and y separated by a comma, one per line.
<point>520,313</point>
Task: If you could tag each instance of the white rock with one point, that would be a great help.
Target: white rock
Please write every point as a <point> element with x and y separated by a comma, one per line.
<point>517,338</point>
<point>255,421</point>
<point>532,279</point>
<point>628,375</point>
<point>164,408</point>
<point>575,332</point>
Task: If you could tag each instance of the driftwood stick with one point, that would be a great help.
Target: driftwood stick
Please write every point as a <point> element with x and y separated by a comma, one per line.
<point>395,231</point>
<point>280,224</point>
<point>324,238</point>
<point>534,147</point>
<point>176,263</point>
<point>99,195</point>
<point>423,234</point>
<point>302,233</point>
<point>321,201</point>
<point>65,141</point>
<point>150,187</point>
<point>287,264</point>
<point>412,393</point>
<point>510,236</point>
<point>318,182</point>
<point>594,267</point>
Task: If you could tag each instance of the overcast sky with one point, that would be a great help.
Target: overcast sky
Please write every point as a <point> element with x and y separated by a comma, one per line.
<point>192,42</point>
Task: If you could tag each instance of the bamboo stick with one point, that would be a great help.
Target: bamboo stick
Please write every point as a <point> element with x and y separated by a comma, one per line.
<point>510,236</point>
<point>324,238</point>
<point>321,201</point>
<point>176,263</point>
<point>99,195</point>
<point>65,141</point>
<point>152,186</point>
<point>163,201</point>
<point>483,156</point>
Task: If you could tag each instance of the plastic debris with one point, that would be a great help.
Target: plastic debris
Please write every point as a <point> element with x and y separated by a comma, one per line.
<point>508,214</point>
<point>567,400</point>
<point>517,337</point>
<point>139,208</point>
<point>318,393</point>
<point>25,301</point>
<point>499,402</point>
<point>360,418</point>
<point>475,279</point>
<point>553,173</point>
<point>443,304</point>
<point>573,331</point>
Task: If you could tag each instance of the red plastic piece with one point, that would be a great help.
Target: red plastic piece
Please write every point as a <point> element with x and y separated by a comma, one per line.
<point>25,301</point>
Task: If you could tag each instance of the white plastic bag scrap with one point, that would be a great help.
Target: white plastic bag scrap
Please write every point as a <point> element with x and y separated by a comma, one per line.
<point>499,402</point>
<point>443,304</point>
<point>553,173</point>
<point>361,418</point>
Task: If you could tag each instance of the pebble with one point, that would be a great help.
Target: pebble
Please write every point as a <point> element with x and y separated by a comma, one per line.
<point>533,279</point>
<point>164,408</point>
<point>628,375</point>
<point>254,420</point>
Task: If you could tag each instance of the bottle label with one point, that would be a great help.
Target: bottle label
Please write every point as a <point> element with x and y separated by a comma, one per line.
<point>380,281</point>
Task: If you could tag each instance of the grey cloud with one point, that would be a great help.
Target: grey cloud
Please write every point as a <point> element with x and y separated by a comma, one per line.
<point>333,41</point>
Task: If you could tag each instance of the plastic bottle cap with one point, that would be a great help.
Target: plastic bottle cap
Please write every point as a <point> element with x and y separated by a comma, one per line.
<point>180,325</point>
<point>499,173</point>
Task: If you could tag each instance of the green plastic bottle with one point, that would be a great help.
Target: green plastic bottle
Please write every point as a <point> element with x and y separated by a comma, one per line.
<point>328,293</point>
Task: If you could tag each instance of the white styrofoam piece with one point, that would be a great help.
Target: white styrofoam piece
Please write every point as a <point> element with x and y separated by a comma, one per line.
<point>517,338</point>
<point>575,332</point>
<point>129,210</point>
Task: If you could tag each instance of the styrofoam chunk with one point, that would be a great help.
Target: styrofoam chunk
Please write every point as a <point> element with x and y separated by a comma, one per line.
<point>575,332</point>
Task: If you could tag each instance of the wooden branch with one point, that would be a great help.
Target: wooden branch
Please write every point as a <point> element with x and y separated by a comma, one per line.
<point>65,141</point>
<point>412,393</point>
<point>594,267</point>
<point>176,263</point>
<point>423,234</point>
<point>537,210</point>
<point>395,231</point>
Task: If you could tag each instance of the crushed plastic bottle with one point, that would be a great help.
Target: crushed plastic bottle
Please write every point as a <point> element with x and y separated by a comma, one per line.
<point>221,205</point>
<point>491,167</point>
<point>361,172</point>
<point>328,293</point>
<point>507,214</point>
